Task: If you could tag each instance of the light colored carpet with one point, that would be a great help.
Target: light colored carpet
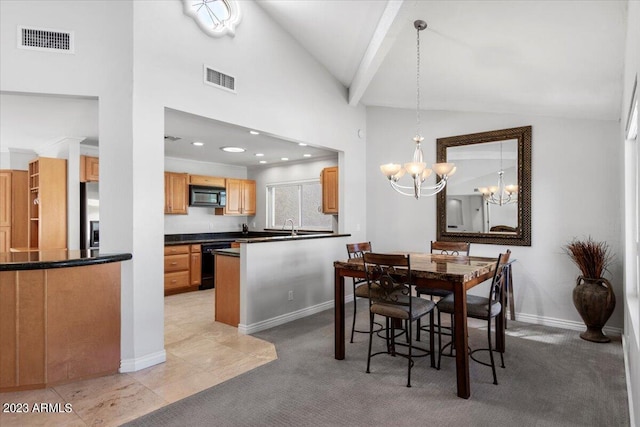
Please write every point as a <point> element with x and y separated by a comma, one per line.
<point>552,378</point>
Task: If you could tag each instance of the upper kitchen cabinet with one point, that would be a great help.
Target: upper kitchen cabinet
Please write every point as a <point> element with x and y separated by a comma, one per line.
<point>206,181</point>
<point>48,203</point>
<point>176,193</point>
<point>14,189</point>
<point>241,198</point>
<point>329,181</point>
<point>89,169</point>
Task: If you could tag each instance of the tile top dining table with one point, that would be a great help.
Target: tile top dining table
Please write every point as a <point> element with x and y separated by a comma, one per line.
<point>457,274</point>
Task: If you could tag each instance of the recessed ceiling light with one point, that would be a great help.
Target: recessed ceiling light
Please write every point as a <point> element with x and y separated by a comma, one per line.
<point>233,149</point>
<point>259,154</point>
<point>306,155</point>
<point>284,158</point>
<point>197,143</point>
<point>302,144</point>
<point>263,161</point>
<point>254,132</point>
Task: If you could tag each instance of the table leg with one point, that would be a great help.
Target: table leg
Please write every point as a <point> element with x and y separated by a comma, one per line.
<point>461,340</point>
<point>339,315</point>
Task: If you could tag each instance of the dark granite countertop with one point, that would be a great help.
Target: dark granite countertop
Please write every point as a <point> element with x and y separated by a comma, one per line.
<point>56,258</point>
<point>250,237</point>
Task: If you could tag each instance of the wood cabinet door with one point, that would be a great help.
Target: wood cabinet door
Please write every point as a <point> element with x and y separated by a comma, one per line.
<point>248,197</point>
<point>5,239</point>
<point>176,193</point>
<point>329,179</point>
<point>196,268</point>
<point>234,197</point>
<point>5,199</point>
<point>92,169</point>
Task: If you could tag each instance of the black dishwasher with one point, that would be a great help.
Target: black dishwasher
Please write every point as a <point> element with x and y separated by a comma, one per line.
<point>208,264</point>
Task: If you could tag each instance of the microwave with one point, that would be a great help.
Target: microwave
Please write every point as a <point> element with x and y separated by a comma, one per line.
<point>213,197</point>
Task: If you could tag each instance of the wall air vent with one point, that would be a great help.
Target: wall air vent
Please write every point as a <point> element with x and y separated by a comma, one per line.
<point>218,79</point>
<point>45,40</point>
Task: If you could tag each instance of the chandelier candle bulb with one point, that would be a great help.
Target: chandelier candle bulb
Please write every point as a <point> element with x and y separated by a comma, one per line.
<point>443,168</point>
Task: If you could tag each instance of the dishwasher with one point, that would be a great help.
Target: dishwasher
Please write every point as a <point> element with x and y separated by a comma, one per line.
<point>208,263</point>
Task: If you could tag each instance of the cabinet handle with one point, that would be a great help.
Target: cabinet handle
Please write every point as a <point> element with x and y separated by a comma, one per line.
<point>173,281</point>
<point>174,263</point>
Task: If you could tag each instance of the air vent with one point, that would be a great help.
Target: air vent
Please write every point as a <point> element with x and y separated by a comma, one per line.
<point>218,79</point>
<point>45,39</point>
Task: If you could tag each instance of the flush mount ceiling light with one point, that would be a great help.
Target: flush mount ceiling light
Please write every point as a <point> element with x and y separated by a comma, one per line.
<point>302,144</point>
<point>233,149</point>
<point>417,168</point>
<point>216,18</point>
<point>254,132</point>
<point>284,158</point>
<point>263,162</point>
<point>306,155</point>
<point>259,154</point>
<point>197,143</point>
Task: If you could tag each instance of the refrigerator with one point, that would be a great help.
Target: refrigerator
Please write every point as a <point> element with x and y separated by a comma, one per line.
<point>89,215</point>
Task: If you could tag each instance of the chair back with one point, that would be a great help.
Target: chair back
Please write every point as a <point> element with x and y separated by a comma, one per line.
<point>500,277</point>
<point>391,276</point>
<point>450,248</point>
<point>357,250</point>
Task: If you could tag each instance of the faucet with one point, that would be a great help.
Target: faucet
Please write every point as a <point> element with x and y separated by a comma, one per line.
<point>293,229</point>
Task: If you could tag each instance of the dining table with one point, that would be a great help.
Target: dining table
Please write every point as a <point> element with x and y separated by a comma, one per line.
<point>457,274</point>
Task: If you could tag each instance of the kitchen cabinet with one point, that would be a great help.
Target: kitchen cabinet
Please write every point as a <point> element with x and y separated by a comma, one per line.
<point>207,181</point>
<point>227,280</point>
<point>89,169</point>
<point>176,193</point>
<point>14,205</point>
<point>329,182</point>
<point>241,197</point>
<point>182,268</point>
<point>47,200</point>
<point>195,269</point>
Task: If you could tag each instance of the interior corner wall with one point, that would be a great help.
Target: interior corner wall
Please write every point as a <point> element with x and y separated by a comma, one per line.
<point>569,199</point>
<point>632,313</point>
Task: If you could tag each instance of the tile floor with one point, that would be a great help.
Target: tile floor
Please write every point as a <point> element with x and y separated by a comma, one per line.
<point>200,353</point>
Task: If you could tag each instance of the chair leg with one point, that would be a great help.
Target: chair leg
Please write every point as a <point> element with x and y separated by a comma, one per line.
<point>370,341</point>
<point>353,324</point>
<point>440,341</point>
<point>493,363</point>
<point>410,359</point>
<point>431,341</point>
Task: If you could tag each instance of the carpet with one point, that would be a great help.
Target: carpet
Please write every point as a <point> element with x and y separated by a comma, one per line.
<point>552,378</point>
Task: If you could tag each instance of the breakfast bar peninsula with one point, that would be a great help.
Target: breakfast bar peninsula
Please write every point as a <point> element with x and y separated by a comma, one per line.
<point>59,317</point>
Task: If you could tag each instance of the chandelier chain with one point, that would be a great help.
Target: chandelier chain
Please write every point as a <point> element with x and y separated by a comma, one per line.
<point>418,83</point>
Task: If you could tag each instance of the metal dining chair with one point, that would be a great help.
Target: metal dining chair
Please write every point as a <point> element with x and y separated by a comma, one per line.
<point>442,248</point>
<point>390,295</point>
<point>360,288</point>
<point>481,308</point>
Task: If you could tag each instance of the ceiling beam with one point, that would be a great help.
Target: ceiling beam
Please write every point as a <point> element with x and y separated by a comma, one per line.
<point>383,38</point>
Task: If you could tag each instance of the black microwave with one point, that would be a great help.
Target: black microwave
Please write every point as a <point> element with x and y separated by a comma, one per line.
<point>213,197</point>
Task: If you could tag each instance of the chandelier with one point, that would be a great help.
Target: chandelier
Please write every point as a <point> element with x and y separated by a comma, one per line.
<point>417,168</point>
<point>500,194</point>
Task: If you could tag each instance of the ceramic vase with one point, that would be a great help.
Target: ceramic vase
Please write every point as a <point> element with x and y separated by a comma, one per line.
<point>594,299</point>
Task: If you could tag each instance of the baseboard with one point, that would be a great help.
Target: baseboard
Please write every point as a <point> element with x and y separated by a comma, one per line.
<point>625,352</point>
<point>285,318</point>
<point>562,323</point>
<point>133,365</point>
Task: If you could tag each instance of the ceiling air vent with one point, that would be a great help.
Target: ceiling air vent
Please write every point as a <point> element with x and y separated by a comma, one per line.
<point>45,39</point>
<point>218,79</point>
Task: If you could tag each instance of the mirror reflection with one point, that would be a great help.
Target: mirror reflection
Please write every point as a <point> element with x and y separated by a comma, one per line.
<point>489,199</point>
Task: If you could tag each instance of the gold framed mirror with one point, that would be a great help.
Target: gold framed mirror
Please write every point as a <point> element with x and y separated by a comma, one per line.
<point>488,200</point>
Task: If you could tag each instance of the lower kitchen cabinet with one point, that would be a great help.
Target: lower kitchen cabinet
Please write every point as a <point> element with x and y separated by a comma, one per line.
<point>227,279</point>
<point>182,268</point>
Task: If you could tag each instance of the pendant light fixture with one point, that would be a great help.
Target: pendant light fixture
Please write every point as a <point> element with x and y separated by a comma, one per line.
<point>417,168</point>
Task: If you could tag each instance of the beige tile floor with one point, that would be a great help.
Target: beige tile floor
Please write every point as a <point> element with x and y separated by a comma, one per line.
<point>200,353</point>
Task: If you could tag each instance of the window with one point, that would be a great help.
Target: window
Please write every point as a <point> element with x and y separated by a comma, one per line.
<point>300,201</point>
<point>215,17</point>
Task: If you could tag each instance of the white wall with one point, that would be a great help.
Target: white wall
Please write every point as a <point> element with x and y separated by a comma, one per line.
<point>138,58</point>
<point>632,310</point>
<point>572,196</point>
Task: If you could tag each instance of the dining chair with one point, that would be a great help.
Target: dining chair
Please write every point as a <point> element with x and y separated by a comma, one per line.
<point>481,308</point>
<point>360,288</point>
<point>442,248</point>
<point>390,295</point>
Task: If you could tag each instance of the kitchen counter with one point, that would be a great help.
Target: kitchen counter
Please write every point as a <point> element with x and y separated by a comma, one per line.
<point>56,258</point>
<point>250,237</point>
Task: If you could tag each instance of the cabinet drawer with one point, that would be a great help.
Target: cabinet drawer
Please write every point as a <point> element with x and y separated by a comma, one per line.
<point>176,263</point>
<point>196,248</point>
<point>177,249</point>
<point>179,279</point>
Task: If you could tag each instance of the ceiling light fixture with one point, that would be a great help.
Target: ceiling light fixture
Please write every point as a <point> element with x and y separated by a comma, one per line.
<point>254,132</point>
<point>233,149</point>
<point>263,161</point>
<point>306,155</point>
<point>197,143</point>
<point>284,158</point>
<point>417,168</point>
<point>259,154</point>
<point>302,144</point>
<point>500,194</point>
